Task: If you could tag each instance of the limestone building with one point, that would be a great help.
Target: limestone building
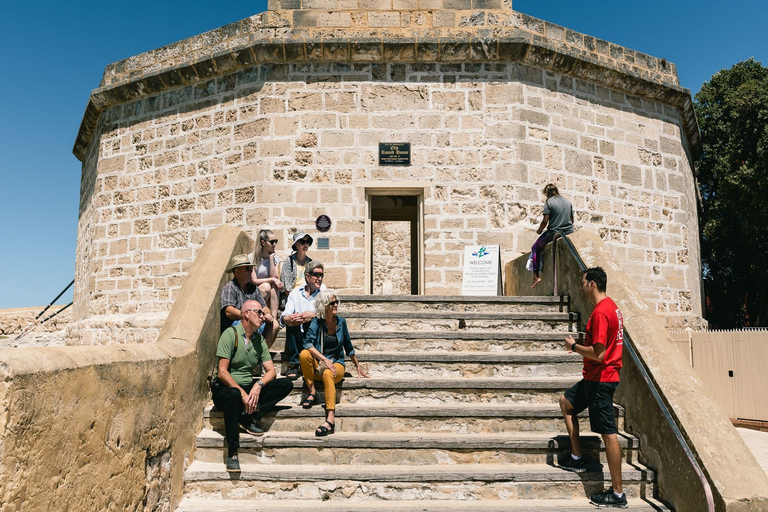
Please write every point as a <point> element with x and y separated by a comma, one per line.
<point>277,119</point>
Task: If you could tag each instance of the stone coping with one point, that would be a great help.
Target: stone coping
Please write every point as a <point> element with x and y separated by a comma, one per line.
<point>272,37</point>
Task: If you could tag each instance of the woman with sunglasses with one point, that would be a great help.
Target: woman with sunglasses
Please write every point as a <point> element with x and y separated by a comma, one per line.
<point>292,272</point>
<point>299,312</point>
<point>327,341</point>
<point>265,271</point>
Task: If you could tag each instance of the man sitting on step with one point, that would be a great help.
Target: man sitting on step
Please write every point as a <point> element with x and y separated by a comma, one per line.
<point>239,290</point>
<point>244,402</point>
<point>298,314</point>
<point>602,348</point>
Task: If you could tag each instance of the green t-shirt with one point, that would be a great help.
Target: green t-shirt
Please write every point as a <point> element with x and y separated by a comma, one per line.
<point>241,366</point>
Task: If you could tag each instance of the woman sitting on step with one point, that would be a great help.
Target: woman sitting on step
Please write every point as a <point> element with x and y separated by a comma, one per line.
<point>265,272</point>
<point>323,356</point>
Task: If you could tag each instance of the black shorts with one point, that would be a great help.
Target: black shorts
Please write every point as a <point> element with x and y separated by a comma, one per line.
<point>598,397</point>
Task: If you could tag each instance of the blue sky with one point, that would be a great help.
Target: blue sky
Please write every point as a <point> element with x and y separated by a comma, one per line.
<point>54,54</point>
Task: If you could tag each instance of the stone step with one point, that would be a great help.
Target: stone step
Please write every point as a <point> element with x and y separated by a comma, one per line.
<point>465,341</point>
<point>471,418</point>
<point>378,391</point>
<point>384,390</point>
<point>466,364</point>
<point>406,448</point>
<point>454,341</point>
<point>451,321</point>
<point>320,481</point>
<point>580,504</point>
<point>479,304</point>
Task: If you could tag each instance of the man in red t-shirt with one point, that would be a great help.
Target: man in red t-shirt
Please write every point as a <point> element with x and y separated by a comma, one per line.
<point>603,344</point>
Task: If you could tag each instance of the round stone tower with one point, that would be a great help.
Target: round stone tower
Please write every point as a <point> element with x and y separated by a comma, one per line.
<point>280,118</point>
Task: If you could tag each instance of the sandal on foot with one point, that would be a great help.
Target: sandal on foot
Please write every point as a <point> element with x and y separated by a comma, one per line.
<point>323,431</point>
<point>293,373</point>
<point>309,401</point>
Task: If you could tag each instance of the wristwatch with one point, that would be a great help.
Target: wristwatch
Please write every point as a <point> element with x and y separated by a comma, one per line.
<point>260,383</point>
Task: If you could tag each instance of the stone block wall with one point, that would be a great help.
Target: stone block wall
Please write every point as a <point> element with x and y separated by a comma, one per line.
<point>391,248</point>
<point>277,145</point>
<point>386,5</point>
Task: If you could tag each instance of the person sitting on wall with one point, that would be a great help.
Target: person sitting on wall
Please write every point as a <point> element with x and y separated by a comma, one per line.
<point>239,290</point>
<point>299,312</point>
<point>265,271</point>
<point>558,216</point>
<point>244,402</point>
<point>292,270</point>
<point>326,343</point>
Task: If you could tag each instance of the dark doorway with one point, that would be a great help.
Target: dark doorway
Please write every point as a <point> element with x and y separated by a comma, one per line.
<point>394,244</point>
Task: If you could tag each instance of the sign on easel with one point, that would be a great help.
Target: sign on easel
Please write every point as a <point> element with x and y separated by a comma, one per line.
<point>482,270</point>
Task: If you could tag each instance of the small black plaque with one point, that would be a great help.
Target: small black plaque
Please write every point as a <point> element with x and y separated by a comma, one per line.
<point>323,223</point>
<point>394,153</point>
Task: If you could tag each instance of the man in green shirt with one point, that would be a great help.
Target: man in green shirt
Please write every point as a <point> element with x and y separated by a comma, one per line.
<point>244,402</point>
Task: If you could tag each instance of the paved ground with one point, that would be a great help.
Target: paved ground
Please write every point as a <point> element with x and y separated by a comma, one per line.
<point>758,443</point>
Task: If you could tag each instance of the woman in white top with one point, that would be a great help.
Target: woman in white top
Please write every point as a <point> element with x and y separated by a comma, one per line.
<point>265,272</point>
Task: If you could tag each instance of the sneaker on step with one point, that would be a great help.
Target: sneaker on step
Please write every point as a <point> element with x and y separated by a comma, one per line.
<point>608,499</point>
<point>233,464</point>
<point>250,427</point>
<point>571,464</point>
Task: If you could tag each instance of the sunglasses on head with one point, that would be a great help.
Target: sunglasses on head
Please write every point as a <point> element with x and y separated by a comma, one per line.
<point>303,241</point>
<point>315,274</point>
<point>333,303</point>
<point>273,242</point>
<point>259,312</point>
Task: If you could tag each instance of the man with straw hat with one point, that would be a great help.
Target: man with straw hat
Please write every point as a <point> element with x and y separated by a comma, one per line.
<point>240,289</point>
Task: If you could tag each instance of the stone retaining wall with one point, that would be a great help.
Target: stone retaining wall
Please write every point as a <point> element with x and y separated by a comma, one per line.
<point>13,321</point>
<point>113,427</point>
<point>50,333</point>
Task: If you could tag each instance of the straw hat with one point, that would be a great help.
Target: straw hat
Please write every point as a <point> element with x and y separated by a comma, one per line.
<point>241,260</point>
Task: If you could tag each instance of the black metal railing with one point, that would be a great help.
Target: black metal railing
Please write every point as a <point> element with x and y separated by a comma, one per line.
<point>641,367</point>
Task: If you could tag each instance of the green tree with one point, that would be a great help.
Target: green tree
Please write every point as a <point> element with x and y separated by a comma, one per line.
<point>732,174</point>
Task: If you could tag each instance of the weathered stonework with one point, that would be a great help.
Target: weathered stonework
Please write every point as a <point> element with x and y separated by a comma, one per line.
<point>13,321</point>
<point>276,119</point>
<point>392,258</point>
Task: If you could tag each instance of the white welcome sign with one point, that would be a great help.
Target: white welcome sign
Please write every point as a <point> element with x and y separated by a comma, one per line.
<point>482,270</point>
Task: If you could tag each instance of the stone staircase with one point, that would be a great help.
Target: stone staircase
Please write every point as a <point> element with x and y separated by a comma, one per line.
<point>460,413</point>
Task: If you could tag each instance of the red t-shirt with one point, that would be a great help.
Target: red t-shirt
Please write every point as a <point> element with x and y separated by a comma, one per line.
<point>606,327</point>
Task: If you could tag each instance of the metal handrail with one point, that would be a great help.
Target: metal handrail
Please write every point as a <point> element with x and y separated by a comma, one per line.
<point>33,324</point>
<point>646,378</point>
